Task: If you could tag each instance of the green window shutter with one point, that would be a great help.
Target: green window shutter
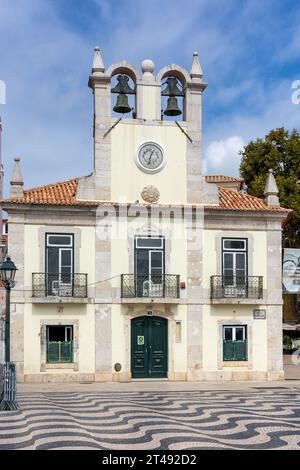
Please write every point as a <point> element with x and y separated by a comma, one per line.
<point>60,351</point>
<point>53,352</point>
<point>228,350</point>
<point>241,350</point>
<point>235,350</point>
<point>66,351</point>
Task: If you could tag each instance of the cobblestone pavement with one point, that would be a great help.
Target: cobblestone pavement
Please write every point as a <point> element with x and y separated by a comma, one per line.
<point>255,418</point>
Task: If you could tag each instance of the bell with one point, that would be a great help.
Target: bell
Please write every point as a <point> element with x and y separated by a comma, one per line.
<point>172,107</point>
<point>122,105</point>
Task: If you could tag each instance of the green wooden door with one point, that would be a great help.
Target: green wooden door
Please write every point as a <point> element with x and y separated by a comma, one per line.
<point>149,347</point>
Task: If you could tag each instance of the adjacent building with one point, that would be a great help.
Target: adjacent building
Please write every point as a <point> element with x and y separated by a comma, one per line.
<point>146,268</point>
<point>3,247</point>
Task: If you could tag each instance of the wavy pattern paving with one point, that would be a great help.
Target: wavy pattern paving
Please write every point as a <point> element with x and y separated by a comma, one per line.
<point>260,419</point>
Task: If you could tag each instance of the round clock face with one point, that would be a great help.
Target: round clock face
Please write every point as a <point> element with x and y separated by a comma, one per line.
<point>150,157</point>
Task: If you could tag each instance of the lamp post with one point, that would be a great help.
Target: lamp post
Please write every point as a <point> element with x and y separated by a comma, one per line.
<point>8,369</point>
<point>7,272</point>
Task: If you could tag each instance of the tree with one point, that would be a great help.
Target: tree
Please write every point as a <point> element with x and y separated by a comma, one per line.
<point>279,150</point>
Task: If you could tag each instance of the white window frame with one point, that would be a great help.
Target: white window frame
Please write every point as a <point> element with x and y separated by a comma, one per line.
<point>61,275</point>
<point>58,235</point>
<point>234,252</point>
<point>233,328</point>
<point>149,247</point>
<point>232,240</point>
<point>58,284</point>
<point>161,265</point>
<point>66,247</point>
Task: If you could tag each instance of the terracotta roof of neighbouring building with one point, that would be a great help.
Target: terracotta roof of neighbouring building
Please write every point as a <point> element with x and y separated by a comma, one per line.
<point>234,200</point>
<point>64,194</point>
<point>57,194</point>
<point>222,179</point>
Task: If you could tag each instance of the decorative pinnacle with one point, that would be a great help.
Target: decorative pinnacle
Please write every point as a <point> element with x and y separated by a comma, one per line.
<point>16,180</point>
<point>271,186</point>
<point>196,70</point>
<point>98,65</point>
<point>271,190</point>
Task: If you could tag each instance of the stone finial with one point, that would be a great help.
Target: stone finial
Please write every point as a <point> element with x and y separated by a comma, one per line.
<point>16,180</point>
<point>98,65</point>
<point>147,67</point>
<point>271,190</point>
<point>196,70</point>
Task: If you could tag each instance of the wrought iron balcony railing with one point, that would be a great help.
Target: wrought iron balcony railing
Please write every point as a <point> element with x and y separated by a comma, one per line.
<point>59,285</point>
<point>249,287</point>
<point>146,285</point>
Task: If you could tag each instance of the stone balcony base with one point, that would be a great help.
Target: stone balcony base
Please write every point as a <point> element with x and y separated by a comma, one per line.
<point>150,300</point>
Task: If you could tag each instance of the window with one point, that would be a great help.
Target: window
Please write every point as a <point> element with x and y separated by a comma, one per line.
<point>149,242</point>
<point>235,343</point>
<point>59,344</point>
<point>234,257</point>
<point>234,244</point>
<point>59,262</point>
<point>149,266</point>
<point>59,240</point>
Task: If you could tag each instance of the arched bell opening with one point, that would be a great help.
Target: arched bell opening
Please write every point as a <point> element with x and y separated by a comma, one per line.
<point>123,91</point>
<point>172,97</point>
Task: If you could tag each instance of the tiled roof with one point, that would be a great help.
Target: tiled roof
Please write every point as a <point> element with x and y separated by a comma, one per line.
<point>233,200</point>
<point>64,194</point>
<point>58,194</point>
<point>222,179</point>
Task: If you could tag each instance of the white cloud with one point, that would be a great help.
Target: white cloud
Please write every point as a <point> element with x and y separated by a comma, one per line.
<point>226,136</point>
<point>222,156</point>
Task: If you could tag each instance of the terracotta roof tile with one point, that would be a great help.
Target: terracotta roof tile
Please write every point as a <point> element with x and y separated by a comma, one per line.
<point>64,194</point>
<point>234,200</point>
<point>222,179</point>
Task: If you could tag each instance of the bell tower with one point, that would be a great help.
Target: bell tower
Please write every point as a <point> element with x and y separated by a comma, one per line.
<point>147,133</point>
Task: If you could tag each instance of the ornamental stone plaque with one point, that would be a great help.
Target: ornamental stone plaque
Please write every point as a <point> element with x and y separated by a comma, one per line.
<point>150,194</point>
<point>259,314</point>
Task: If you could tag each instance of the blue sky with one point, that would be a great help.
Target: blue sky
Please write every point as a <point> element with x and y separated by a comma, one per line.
<point>249,52</point>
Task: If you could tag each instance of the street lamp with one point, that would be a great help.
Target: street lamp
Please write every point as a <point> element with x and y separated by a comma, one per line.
<point>7,272</point>
<point>8,369</point>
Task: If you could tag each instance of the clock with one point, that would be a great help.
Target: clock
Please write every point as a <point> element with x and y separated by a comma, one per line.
<point>150,157</point>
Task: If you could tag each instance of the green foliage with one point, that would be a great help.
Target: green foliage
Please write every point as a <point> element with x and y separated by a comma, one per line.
<point>279,150</point>
<point>287,341</point>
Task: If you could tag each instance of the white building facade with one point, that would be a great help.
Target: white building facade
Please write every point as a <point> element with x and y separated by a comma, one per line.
<point>146,268</point>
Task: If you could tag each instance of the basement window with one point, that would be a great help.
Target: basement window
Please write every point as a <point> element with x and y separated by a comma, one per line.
<point>59,344</point>
<point>235,343</point>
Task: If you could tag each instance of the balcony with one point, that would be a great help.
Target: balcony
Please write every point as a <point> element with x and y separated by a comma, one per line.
<point>53,285</point>
<point>141,286</point>
<point>236,288</point>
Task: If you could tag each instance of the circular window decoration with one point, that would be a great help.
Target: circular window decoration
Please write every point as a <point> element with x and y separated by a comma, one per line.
<point>150,157</point>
